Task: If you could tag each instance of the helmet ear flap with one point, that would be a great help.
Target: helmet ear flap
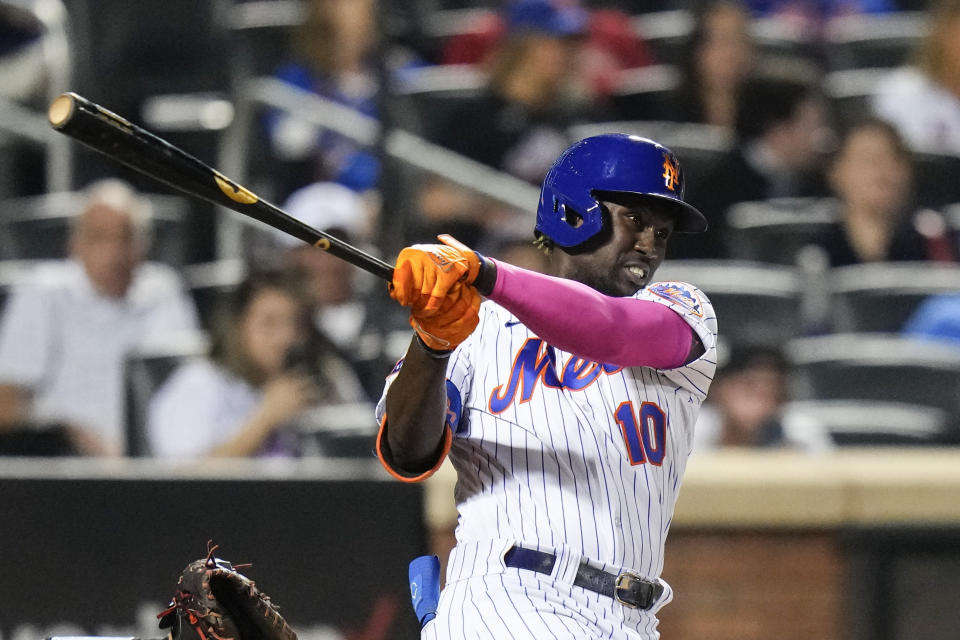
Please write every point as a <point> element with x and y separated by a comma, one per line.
<point>571,217</point>
<point>566,220</point>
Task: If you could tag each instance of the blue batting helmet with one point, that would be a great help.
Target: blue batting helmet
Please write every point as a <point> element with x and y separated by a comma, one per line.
<point>609,162</point>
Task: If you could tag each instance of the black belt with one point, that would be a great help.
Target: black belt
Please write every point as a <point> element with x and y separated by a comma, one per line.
<point>627,588</point>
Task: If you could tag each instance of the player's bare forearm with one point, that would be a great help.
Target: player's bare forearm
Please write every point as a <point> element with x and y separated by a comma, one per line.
<point>416,407</point>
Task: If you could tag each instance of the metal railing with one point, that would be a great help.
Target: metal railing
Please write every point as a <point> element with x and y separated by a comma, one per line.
<point>406,147</point>
<point>29,125</point>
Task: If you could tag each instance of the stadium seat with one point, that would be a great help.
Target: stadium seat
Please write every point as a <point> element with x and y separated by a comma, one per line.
<point>145,370</point>
<point>338,431</point>
<point>935,178</point>
<point>646,93</point>
<point>785,40</point>
<point>666,32</point>
<point>883,40</point>
<point>850,91</point>
<point>754,303</point>
<point>173,47</point>
<point>440,29</point>
<point>259,35</point>
<point>210,284</point>
<point>880,297</point>
<point>38,227</point>
<point>432,93</point>
<point>876,367</point>
<point>775,230</point>
<point>869,422</point>
<point>952,216</point>
<point>140,58</point>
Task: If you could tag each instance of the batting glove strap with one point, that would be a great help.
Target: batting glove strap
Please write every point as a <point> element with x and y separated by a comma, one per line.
<point>438,354</point>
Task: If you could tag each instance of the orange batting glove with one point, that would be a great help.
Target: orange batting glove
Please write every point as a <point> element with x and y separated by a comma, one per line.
<point>425,273</point>
<point>451,323</point>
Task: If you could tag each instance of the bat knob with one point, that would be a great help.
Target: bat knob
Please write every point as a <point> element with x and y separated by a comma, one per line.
<point>61,109</point>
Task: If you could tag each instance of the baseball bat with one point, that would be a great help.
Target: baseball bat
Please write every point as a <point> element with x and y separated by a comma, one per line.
<point>125,142</point>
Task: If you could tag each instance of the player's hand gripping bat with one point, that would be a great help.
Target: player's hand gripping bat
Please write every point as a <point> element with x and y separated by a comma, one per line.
<point>139,149</point>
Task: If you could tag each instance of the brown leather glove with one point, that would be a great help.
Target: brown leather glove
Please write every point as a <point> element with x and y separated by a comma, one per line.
<point>214,601</point>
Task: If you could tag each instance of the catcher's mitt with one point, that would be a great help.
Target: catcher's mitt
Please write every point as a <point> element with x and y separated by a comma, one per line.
<point>214,601</point>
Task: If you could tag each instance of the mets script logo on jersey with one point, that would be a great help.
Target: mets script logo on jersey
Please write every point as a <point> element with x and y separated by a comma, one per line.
<point>535,363</point>
<point>671,173</point>
<point>680,295</point>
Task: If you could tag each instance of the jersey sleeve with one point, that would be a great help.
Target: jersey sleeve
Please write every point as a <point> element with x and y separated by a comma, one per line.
<point>695,308</point>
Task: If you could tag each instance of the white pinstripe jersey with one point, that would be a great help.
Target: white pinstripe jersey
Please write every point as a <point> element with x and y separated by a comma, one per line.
<point>554,452</point>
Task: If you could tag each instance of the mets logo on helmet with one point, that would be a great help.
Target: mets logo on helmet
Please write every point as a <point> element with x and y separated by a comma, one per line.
<point>671,173</point>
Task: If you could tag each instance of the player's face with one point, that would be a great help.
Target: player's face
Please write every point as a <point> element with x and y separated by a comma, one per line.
<point>269,328</point>
<point>632,247</point>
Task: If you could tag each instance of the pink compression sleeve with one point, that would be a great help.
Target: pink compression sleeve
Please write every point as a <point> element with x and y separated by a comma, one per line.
<point>571,316</point>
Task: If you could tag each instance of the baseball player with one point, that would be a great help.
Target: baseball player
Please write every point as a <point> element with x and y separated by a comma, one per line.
<point>566,403</point>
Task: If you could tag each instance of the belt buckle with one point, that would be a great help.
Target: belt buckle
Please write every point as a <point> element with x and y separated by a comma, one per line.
<point>628,582</point>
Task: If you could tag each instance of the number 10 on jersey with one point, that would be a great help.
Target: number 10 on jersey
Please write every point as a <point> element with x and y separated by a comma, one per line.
<point>644,433</point>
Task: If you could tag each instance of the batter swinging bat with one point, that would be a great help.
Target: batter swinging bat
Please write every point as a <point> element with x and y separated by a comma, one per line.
<point>139,149</point>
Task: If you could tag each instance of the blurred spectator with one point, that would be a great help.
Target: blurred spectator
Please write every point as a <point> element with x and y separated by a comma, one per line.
<point>67,330</point>
<point>812,16</point>
<point>923,100</point>
<point>746,406</point>
<point>335,289</point>
<point>610,45</point>
<point>871,175</point>
<point>782,132</point>
<point>265,368</point>
<point>718,57</point>
<point>335,52</point>
<point>937,318</point>
<point>519,123</point>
